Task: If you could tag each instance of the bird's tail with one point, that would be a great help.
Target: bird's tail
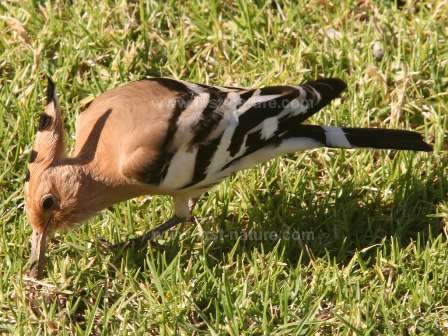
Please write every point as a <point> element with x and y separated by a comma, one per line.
<point>344,137</point>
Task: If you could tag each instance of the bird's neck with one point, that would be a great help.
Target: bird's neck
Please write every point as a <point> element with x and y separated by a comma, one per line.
<point>103,190</point>
<point>89,190</point>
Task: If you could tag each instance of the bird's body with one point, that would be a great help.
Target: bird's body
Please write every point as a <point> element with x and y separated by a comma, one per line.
<point>165,136</point>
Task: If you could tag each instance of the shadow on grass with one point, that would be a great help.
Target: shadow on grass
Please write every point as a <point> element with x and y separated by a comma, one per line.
<point>337,226</point>
<point>347,225</point>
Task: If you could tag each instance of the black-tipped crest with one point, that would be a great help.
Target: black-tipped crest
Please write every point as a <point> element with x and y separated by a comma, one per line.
<point>51,91</point>
<point>49,140</point>
<point>44,122</point>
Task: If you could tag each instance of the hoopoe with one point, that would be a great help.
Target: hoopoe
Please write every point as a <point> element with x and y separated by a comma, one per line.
<point>172,137</point>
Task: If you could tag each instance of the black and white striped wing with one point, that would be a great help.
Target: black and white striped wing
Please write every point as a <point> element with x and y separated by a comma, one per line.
<point>215,131</point>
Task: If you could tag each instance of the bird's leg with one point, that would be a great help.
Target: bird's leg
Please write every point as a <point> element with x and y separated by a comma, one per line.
<point>182,212</point>
<point>191,204</point>
<point>147,237</point>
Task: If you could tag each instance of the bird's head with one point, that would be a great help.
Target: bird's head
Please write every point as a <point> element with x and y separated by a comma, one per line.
<point>52,186</point>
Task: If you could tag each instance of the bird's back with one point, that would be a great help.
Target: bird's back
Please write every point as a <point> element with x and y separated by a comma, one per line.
<point>176,135</point>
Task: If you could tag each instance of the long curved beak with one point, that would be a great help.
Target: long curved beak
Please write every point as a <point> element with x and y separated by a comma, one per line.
<point>37,258</point>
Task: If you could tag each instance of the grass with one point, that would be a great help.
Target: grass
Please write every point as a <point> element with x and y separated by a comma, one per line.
<point>327,242</point>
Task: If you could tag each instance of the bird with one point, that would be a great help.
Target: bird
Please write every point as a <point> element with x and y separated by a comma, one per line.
<point>163,136</point>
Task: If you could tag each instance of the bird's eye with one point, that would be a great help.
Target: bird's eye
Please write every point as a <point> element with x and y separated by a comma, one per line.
<point>48,202</point>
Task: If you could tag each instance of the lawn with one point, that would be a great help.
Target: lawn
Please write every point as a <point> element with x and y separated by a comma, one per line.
<point>325,242</point>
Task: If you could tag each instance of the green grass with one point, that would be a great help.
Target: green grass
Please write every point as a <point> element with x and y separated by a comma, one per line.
<point>373,253</point>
